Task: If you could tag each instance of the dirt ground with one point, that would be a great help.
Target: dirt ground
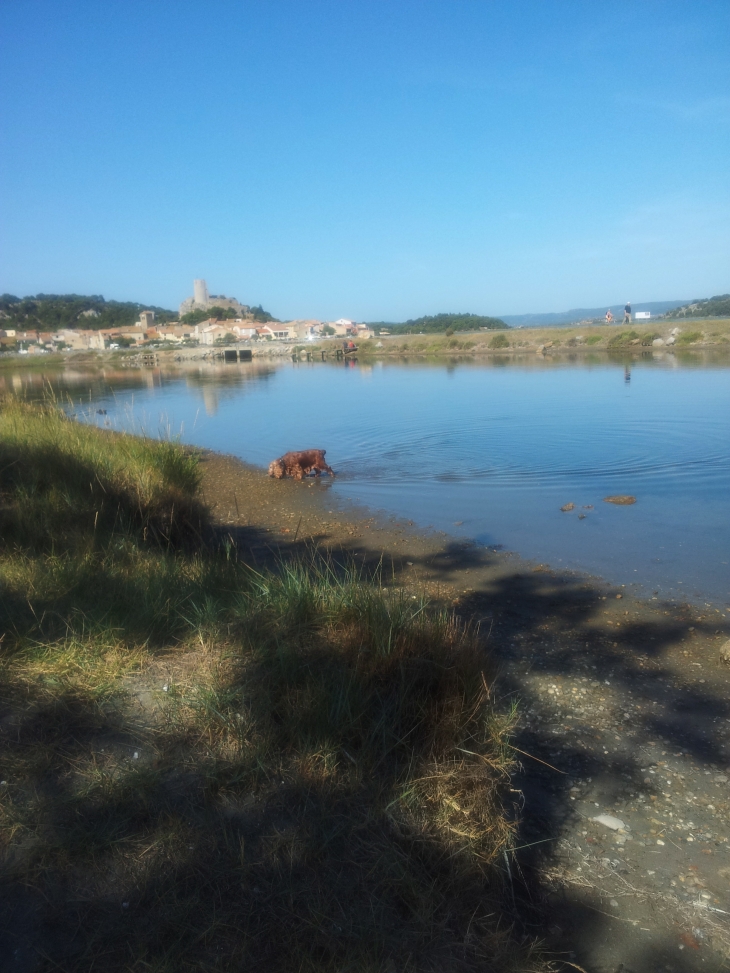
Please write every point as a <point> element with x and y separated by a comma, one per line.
<point>623,860</point>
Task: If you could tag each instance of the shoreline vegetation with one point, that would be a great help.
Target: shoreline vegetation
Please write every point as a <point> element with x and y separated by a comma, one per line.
<point>630,342</point>
<point>633,340</point>
<point>212,763</point>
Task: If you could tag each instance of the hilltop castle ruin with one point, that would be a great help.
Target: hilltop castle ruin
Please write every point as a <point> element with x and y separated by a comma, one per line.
<point>202,301</point>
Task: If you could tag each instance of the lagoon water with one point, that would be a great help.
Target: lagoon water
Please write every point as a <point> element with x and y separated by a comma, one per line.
<point>488,451</point>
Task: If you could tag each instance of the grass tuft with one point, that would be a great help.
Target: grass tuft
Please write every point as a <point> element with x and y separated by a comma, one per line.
<point>208,767</point>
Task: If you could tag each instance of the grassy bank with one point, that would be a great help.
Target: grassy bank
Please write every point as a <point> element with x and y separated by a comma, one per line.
<point>574,339</point>
<point>210,767</point>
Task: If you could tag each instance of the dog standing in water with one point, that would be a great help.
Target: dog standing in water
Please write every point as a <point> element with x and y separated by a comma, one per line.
<point>299,464</point>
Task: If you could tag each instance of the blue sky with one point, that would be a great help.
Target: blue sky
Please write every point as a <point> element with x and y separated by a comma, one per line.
<point>374,159</point>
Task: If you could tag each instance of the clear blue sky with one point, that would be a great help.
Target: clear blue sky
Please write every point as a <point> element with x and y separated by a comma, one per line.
<point>375,159</point>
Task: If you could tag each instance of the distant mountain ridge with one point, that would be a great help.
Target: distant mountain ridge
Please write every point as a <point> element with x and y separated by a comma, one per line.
<point>586,313</point>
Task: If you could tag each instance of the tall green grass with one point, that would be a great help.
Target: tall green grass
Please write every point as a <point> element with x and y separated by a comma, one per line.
<point>209,767</point>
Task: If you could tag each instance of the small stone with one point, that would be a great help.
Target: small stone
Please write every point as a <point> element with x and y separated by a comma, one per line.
<point>725,651</point>
<point>619,597</point>
<point>135,755</point>
<point>614,903</point>
<point>609,821</point>
<point>567,507</point>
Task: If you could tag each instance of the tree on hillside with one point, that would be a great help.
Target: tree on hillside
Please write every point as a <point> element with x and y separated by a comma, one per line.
<point>52,312</point>
<point>262,316</point>
<point>195,317</point>
<point>714,307</point>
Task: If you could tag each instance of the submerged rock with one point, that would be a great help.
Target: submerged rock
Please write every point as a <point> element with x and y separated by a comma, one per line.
<point>621,499</point>
<point>567,507</point>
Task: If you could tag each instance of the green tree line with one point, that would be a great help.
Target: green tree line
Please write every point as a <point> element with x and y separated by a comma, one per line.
<point>225,314</point>
<point>53,312</point>
<point>713,307</point>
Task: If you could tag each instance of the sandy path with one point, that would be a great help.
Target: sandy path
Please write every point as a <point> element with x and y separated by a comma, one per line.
<point>625,698</point>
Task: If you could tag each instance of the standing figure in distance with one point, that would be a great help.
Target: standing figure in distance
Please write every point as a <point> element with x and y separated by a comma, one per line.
<point>627,313</point>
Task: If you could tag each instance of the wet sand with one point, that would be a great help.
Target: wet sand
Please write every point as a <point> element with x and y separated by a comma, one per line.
<point>623,711</point>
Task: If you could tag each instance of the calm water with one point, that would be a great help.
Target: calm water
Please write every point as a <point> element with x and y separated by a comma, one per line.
<point>484,451</point>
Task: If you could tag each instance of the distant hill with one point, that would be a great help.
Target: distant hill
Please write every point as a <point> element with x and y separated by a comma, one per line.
<point>439,323</point>
<point>713,307</point>
<point>585,314</point>
<point>52,312</point>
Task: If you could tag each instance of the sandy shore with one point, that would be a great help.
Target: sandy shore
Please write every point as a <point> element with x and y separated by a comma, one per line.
<point>625,699</point>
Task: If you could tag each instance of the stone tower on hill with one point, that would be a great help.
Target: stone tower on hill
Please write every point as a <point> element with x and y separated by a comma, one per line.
<point>203,301</point>
<point>200,292</point>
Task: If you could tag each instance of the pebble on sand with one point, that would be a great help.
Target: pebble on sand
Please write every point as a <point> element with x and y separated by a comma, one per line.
<point>609,821</point>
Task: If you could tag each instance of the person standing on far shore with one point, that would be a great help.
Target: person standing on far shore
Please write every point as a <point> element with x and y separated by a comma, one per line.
<point>627,313</point>
<point>609,317</point>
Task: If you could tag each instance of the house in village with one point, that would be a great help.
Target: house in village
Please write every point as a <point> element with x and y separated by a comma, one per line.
<point>275,332</point>
<point>175,333</point>
<point>210,331</point>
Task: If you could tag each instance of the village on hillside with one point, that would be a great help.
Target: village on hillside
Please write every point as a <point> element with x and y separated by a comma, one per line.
<point>229,322</point>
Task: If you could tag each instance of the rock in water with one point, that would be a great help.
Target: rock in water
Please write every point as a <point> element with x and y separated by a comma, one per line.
<point>567,507</point>
<point>725,651</point>
<point>622,499</point>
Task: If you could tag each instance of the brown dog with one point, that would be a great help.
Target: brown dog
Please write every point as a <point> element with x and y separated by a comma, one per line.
<point>299,464</point>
